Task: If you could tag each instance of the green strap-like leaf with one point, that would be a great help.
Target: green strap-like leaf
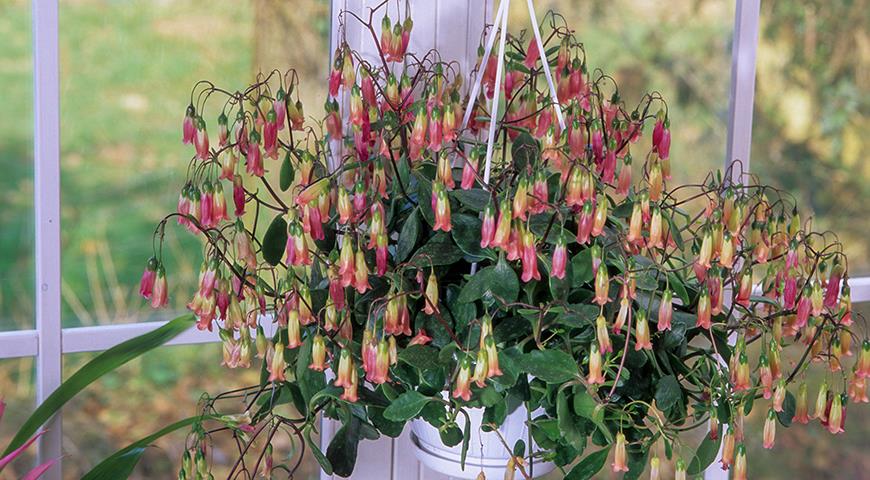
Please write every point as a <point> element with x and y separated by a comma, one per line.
<point>96,368</point>
<point>122,462</point>
<point>589,466</point>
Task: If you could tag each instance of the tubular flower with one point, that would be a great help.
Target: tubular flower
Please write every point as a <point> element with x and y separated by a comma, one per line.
<point>801,411</point>
<point>745,289</point>
<point>619,456</point>
<point>596,375</point>
<point>858,389</point>
<point>821,403</point>
<point>520,207</point>
<point>431,295</point>
<point>704,309</point>
<point>836,416</point>
<point>487,229</point>
<point>604,345</point>
<point>560,259</point>
<point>501,238</point>
<point>146,284</point>
<point>862,367</point>
<point>470,169</point>
<point>294,333</point>
<point>728,441</point>
<point>361,273</point>
<point>462,386</point>
<point>680,472</point>
<point>602,287</point>
<point>655,468</point>
<point>740,463</point>
<point>714,424</point>
<point>623,315</point>
<point>160,290</point>
<point>641,332</point>
<point>188,130</point>
<point>491,357</point>
<point>529,257</point>
<point>666,311</point>
<point>769,429</point>
<point>742,381</point>
<point>420,338</point>
<point>445,171</point>
<point>635,237</point>
<point>318,353</point>
<point>584,223</point>
<point>345,367</point>
<point>441,207</point>
<point>481,369</point>
<point>382,363</point>
<point>277,365</point>
<point>765,377</point>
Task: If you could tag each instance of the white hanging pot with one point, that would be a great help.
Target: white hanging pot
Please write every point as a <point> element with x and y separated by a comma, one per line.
<point>485,450</point>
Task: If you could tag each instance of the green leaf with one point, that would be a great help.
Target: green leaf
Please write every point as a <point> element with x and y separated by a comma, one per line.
<point>121,463</point>
<point>584,404</point>
<point>524,151</point>
<point>310,381</point>
<point>473,199</point>
<point>567,424</point>
<point>668,392</point>
<point>421,357</point>
<point>679,288</point>
<point>561,287</point>
<point>406,406</point>
<point>343,448</point>
<point>589,466</point>
<point>325,465</point>
<point>286,173</point>
<point>704,455</point>
<point>581,264</point>
<point>387,427</point>
<point>451,436</point>
<point>466,440</point>
<point>96,368</point>
<point>466,234</point>
<point>788,407</point>
<point>275,240</point>
<point>551,366</point>
<point>439,250</point>
<point>408,236</point>
<point>499,282</point>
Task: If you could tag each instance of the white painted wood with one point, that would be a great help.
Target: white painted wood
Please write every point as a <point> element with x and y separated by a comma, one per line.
<point>743,50</point>
<point>46,139</point>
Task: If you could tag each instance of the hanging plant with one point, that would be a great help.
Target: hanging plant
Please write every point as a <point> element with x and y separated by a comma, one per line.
<point>413,260</point>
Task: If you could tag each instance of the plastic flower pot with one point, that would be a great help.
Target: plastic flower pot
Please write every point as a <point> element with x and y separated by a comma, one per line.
<point>485,451</point>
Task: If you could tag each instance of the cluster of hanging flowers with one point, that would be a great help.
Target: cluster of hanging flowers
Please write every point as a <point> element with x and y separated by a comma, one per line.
<point>340,277</point>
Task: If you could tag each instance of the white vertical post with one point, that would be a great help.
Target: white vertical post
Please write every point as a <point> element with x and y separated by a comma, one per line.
<point>741,101</point>
<point>46,139</point>
<point>742,96</point>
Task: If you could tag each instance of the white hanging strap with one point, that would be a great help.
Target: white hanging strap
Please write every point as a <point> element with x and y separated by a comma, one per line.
<point>546,64</point>
<point>499,71</point>
<point>475,88</point>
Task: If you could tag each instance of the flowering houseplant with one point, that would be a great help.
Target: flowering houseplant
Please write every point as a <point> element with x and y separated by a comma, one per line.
<point>407,269</point>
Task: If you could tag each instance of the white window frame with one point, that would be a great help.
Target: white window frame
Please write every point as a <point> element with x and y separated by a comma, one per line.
<point>49,341</point>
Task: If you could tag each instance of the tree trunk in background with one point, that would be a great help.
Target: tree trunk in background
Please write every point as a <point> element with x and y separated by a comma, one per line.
<point>294,34</point>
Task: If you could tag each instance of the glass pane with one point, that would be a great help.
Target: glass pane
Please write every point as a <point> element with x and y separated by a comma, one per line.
<point>16,389</point>
<point>149,393</point>
<point>681,49</point>
<point>127,69</point>
<point>809,451</point>
<point>812,112</point>
<point>16,156</point>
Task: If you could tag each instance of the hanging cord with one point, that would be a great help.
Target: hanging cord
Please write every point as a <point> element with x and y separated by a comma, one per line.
<point>546,64</point>
<point>493,118</point>
<point>475,88</point>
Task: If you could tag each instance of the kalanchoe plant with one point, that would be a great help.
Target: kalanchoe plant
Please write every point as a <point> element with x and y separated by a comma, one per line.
<point>402,279</point>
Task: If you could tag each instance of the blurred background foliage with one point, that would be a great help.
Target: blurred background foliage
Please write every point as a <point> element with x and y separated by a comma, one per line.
<point>126,73</point>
